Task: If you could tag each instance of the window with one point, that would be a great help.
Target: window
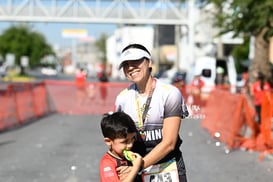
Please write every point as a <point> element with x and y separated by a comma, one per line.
<point>206,73</point>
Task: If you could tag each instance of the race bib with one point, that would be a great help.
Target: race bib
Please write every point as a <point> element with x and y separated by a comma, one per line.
<point>164,172</point>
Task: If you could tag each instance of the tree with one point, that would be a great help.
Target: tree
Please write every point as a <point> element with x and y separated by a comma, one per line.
<point>240,54</point>
<point>251,18</point>
<point>39,48</point>
<point>22,41</point>
<point>101,46</point>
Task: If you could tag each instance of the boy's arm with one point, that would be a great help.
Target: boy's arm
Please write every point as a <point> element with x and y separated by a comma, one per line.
<point>137,164</point>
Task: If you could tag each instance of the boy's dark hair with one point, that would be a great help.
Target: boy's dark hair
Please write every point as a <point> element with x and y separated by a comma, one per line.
<point>117,125</point>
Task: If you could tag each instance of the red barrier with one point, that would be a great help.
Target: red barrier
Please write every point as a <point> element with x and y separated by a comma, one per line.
<point>23,102</point>
<point>230,114</point>
<point>267,118</point>
<point>96,98</point>
<point>223,116</point>
<point>265,139</point>
<point>8,114</point>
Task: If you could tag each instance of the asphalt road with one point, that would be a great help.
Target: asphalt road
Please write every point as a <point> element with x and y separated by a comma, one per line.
<point>67,148</point>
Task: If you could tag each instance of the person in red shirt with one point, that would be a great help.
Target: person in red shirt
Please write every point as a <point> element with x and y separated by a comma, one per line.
<point>195,88</point>
<point>197,83</point>
<point>80,79</point>
<point>179,81</point>
<point>119,132</point>
<point>257,89</point>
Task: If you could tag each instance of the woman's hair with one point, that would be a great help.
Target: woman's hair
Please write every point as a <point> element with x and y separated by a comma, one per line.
<point>137,46</point>
<point>117,125</point>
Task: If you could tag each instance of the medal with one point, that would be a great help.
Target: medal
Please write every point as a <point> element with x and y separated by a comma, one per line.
<point>142,134</point>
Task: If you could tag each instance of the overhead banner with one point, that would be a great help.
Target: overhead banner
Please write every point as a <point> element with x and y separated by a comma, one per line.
<point>74,33</point>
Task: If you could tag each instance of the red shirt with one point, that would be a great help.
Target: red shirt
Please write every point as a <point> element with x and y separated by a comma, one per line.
<point>197,83</point>
<point>257,91</point>
<point>108,165</point>
<point>80,79</point>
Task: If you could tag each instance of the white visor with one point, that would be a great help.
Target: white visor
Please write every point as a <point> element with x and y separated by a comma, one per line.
<point>133,54</point>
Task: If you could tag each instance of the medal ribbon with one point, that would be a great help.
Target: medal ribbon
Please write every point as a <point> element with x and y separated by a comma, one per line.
<point>142,116</point>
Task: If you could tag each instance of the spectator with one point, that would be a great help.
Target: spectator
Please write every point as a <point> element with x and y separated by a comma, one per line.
<point>245,91</point>
<point>257,88</point>
<point>103,77</point>
<point>179,81</point>
<point>195,90</point>
<point>103,86</point>
<point>219,75</point>
<point>226,83</point>
<point>80,79</point>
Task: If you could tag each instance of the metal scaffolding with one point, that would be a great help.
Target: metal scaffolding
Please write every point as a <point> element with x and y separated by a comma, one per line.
<point>160,12</point>
<point>119,12</point>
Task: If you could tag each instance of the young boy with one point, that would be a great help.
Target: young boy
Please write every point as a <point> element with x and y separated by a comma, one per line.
<point>119,132</point>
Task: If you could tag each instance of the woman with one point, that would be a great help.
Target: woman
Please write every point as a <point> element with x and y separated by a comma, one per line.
<point>156,108</point>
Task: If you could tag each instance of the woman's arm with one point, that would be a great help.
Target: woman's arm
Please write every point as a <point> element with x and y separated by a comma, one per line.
<point>170,131</point>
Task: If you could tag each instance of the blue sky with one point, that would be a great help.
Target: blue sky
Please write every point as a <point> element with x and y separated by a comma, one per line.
<point>53,31</point>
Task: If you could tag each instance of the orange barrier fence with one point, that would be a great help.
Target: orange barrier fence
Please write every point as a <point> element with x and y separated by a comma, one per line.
<point>8,115</point>
<point>232,117</point>
<point>267,118</point>
<point>95,98</point>
<point>21,103</point>
<point>223,116</point>
<point>196,96</point>
<point>265,139</point>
